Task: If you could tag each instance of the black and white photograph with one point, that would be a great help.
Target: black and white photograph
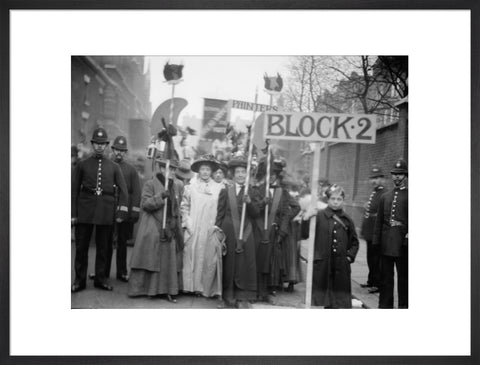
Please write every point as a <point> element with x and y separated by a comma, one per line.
<point>239,182</point>
<point>286,159</point>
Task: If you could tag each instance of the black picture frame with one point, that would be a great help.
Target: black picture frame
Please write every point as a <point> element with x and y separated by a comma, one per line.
<point>6,6</point>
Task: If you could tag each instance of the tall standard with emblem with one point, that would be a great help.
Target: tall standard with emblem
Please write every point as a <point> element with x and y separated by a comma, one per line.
<point>93,205</point>
<point>391,234</point>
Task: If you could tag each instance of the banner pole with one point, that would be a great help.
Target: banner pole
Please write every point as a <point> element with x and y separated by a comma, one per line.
<point>167,167</point>
<point>313,224</point>
<point>267,182</point>
<point>249,164</point>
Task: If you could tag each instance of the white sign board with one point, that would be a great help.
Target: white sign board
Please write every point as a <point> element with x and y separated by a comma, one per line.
<point>245,105</point>
<point>315,127</point>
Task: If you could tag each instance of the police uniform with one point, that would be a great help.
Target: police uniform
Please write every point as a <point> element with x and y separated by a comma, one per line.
<point>124,230</point>
<point>368,224</point>
<point>93,205</point>
<point>391,234</point>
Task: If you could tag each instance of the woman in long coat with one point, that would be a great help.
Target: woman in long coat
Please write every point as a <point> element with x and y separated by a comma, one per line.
<point>291,249</point>
<point>154,258</point>
<point>271,265</point>
<point>199,211</point>
<point>336,245</point>
<point>239,266</point>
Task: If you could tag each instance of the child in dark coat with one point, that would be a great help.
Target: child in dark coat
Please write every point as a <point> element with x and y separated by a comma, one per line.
<point>336,245</point>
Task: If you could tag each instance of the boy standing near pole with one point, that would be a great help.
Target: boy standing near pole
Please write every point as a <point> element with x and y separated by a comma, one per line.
<point>336,246</point>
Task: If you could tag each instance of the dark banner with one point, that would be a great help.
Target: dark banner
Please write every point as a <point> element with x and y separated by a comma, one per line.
<point>215,118</point>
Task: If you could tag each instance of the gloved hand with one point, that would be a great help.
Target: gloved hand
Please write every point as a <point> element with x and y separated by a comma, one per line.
<point>246,199</point>
<point>134,217</point>
<point>280,236</point>
<point>310,213</point>
<point>121,216</point>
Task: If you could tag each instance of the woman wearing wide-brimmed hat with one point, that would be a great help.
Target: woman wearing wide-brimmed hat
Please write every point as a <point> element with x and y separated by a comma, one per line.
<point>199,209</point>
<point>154,265</point>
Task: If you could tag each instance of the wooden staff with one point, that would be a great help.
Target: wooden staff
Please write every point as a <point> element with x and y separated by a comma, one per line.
<point>249,165</point>
<point>167,167</point>
<point>267,179</point>
<point>267,183</point>
<point>313,224</point>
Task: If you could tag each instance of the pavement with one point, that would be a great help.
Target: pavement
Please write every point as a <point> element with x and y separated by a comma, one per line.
<point>118,298</point>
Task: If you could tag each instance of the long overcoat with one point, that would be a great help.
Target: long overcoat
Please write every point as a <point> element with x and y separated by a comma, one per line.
<point>238,268</point>
<point>277,226</point>
<point>199,211</point>
<point>334,242</point>
<point>154,261</point>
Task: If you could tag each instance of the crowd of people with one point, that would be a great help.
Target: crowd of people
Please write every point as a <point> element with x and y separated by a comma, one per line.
<point>204,229</point>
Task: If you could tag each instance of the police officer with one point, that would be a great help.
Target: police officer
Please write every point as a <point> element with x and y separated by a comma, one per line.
<point>93,205</point>
<point>124,230</point>
<point>391,235</point>
<point>369,216</point>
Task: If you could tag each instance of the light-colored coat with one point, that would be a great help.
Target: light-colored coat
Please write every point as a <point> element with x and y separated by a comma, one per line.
<point>199,210</point>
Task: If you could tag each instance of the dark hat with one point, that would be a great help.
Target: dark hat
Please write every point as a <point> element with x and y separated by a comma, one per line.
<point>183,171</point>
<point>222,166</point>
<point>163,162</point>
<point>120,143</point>
<point>323,182</point>
<point>400,167</point>
<point>237,161</point>
<point>208,160</point>
<point>289,180</point>
<point>376,172</point>
<point>100,136</point>
<point>276,166</point>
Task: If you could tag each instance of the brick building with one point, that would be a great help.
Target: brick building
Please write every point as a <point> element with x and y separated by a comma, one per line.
<point>112,92</point>
<point>349,164</point>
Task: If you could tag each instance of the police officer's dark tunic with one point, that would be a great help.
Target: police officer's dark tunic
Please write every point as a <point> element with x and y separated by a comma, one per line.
<point>391,228</point>
<point>125,229</point>
<point>93,204</point>
<point>368,224</point>
<point>335,240</point>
